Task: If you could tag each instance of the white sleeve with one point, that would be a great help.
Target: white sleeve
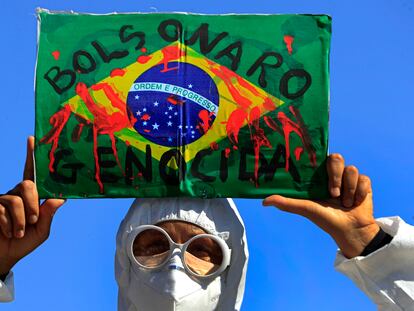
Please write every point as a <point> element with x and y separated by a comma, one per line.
<point>386,275</point>
<point>7,288</point>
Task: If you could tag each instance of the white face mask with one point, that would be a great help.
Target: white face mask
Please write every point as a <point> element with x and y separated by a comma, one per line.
<point>172,289</point>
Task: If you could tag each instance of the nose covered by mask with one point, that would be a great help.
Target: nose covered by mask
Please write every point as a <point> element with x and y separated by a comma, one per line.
<point>171,287</point>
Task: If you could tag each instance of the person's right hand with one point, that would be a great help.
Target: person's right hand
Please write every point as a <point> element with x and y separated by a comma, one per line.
<point>24,223</point>
<point>348,216</point>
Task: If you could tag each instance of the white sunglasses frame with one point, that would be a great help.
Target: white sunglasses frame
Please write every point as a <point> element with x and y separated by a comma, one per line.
<point>226,251</point>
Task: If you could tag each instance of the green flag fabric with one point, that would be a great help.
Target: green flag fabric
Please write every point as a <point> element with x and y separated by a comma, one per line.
<point>154,105</point>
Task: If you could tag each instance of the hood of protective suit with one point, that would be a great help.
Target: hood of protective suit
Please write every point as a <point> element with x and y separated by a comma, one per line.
<point>217,216</point>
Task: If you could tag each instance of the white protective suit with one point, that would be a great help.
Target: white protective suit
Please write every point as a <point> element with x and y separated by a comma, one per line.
<point>386,275</point>
<point>140,290</point>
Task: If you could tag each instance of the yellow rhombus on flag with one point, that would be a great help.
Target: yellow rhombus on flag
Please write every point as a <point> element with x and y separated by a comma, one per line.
<point>234,93</point>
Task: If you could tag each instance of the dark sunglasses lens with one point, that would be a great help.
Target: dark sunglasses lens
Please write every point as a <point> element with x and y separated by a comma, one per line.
<point>151,248</point>
<point>203,256</point>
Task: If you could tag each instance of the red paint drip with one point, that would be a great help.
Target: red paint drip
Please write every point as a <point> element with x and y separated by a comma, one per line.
<point>205,117</point>
<point>257,134</point>
<point>103,122</point>
<point>245,84</point>
<point>259,140</point>
<point>227,152</point>
<point>227,76</point>
<point>268,104</point>
<point>288,126</point>
<point>214,146</point>
<point>56,55</point>
<point>144,50</point>
<point>312,154</point>
<point>95,155</point>
<point>298,153</point>
<point>171,53</point>
<point>58,121</point>
<point>110,94</point>
<point>289,41</point>
<point>132,119</point>
<point>146,117</point>
<point>235,147</point>
<point>143,59</point>
<point>172,99</point>
<point>115,152</point>
<point>118,72</point>
<point>235,123</point>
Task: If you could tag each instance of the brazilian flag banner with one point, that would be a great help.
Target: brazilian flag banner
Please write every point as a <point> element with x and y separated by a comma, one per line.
<point>158,105</point>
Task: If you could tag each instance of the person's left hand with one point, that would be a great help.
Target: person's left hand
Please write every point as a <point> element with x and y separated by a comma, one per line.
<point>347,216</point>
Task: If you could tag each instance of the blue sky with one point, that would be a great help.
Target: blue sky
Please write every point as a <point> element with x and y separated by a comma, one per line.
<point>291,263</point>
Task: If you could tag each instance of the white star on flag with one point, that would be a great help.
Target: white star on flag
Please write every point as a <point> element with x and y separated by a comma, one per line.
<point>190,86</point>
<point>138,113</point>
<point>170,108</point>
<point>156,104</point>
<point>155,126</point>
<point>136,96</point>
<point>169,123</point>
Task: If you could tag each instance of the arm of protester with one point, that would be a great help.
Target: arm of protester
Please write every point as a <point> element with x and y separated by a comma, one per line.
<point>24,223</point>
<point>378,255</point>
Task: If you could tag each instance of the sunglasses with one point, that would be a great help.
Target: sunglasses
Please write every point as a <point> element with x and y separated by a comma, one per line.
<point>203,256</point>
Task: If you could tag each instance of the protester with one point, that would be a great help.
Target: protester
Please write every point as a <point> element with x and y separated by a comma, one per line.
<point>155,271</point>
<point>175,286</point>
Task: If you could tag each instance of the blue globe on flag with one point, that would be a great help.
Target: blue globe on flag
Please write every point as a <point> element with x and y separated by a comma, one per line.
<point>173,106</point>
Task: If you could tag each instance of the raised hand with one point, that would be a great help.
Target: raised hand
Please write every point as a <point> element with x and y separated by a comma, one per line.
<point>347,216</point>
<point>24,223</point>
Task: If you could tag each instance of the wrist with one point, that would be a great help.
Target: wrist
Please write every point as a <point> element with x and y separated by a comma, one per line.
<point>353,243</point>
